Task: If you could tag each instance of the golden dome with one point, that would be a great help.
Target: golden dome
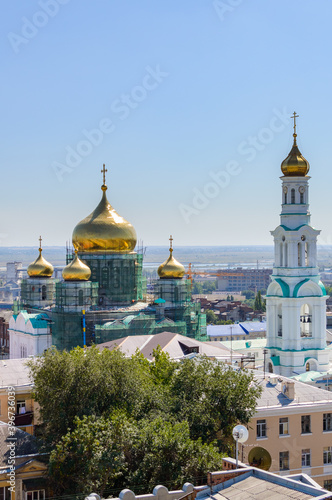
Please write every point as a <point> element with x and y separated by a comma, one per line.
<point>104,230</point>
<point>295,165</point>
<point>76,270</point>
<point>171,268</point>
<point>40,268</point>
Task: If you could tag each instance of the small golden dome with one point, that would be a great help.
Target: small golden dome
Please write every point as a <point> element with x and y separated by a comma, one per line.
<point>104,230</point>
<point>171,268</point>
<point>40,268</point>
<point>76,270</point>
<point>295,165</point>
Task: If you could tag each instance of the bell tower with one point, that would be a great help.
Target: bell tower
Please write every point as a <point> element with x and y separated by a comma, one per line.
<point>296,298</point>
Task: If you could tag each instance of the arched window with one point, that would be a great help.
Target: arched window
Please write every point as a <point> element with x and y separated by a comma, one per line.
<point>307,367</point>
<point>306,254</point>
<point>299,254</point>
<point>285,200</point>
<point>270,367</point>
<point>80,297</point>
<point>286,254</point>
<point>292,196</point>
<point>43,291</point>
<point>281,254</point>
<point>305,321</point>
<point>301,197</point>
<point>176,294</point>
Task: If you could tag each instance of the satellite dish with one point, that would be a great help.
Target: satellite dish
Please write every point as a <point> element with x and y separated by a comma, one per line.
<point>260,457</point>
<point>240,433</point>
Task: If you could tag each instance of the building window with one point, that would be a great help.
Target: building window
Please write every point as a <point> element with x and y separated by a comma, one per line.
<point>327,455</point>
<point>306,458</point>
<point>283,426</point>
<point>305,424</point>
<point>5,494</point>
<point>20,406</point>
<point>261,428</point>
<point>302,198</point>
<point>328,484</point>
<point>327,422</point>
<point>43,290</point>
<point>284,460</point>
<point>35,495</point>
<point>80,297</point>
<point>24,353</point>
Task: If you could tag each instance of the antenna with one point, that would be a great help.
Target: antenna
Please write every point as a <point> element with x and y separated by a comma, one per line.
<point>240,434</point>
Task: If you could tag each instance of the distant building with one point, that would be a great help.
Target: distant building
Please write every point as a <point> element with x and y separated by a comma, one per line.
<point>235,280</point>
<point>245,331</point>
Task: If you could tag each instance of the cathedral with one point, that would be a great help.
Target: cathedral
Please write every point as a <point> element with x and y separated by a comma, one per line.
<point>296,298</point>
<point>102,295</point>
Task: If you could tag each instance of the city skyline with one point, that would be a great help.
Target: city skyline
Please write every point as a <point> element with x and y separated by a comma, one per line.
<point>188,104</point>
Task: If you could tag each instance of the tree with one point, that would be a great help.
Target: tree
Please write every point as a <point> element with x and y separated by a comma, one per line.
<point>259,304</point>
<point>168,455</point>
<point>91,456</point>
<point>211,318</point>
<point>108,420</point>
<point>249,294</point>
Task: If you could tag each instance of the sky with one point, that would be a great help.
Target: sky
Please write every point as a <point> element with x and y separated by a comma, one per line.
<point>187,102</point>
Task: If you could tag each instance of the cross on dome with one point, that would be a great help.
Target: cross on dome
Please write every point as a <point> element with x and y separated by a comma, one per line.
<point>294,116</point>
<point>103,171</point>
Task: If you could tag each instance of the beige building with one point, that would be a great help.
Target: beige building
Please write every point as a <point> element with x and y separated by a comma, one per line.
<point>292,430</point>
<point>14,373</point>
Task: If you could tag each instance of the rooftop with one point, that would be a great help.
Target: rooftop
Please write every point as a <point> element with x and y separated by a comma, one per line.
<point>176,345</point>
<point>273,396</point>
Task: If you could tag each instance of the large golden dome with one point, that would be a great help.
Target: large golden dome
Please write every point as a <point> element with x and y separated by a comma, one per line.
<point>295,165</point>
<point>171,268</point>
<point>76,270</point>
<point>40,268</point>
<point>104,230</point>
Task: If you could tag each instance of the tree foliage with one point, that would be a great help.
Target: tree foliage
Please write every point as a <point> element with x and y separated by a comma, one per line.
<point>109,421</point>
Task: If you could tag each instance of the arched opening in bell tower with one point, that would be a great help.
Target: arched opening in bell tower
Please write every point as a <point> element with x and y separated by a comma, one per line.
<point>280,320</point>
<point>306,321</point>
<point>292,196</point>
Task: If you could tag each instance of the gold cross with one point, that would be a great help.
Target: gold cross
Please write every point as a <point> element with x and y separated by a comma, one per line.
<point>40,240</point>
<point>170,242</point>
<point>294,116</point>
<point>103,171</point>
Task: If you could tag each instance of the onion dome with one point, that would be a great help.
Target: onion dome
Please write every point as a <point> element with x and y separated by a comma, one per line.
<point>171,268</point>
<point>295,165</point>
<point>104,230</point>
<point>40,268</point>
<point>76,270</point>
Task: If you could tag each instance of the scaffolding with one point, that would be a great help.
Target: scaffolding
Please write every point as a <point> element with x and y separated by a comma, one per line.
<point>119,276</point>
<point>38,292</point>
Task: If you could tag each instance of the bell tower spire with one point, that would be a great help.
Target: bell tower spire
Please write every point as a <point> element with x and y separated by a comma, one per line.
<point>296,298</point>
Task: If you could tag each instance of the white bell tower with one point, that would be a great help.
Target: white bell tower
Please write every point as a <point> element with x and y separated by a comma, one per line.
<point>296,298</point>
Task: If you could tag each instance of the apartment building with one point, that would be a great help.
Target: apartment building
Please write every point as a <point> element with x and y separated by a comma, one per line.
<point>291,431</point>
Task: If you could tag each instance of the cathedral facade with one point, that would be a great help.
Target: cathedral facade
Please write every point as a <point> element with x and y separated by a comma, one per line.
<point>103,293</point>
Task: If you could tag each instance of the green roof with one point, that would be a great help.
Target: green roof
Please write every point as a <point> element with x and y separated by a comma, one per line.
<point>307,376</point>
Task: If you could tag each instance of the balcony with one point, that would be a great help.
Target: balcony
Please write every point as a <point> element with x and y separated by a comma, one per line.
<point>24,419</point>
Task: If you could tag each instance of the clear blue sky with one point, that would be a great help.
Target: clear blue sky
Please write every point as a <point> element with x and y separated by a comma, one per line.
<point>180,88</point>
